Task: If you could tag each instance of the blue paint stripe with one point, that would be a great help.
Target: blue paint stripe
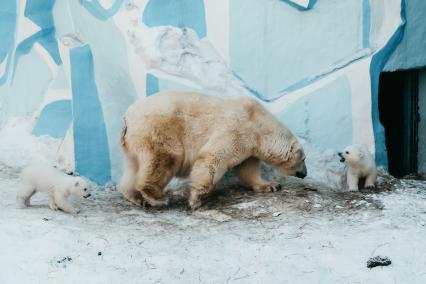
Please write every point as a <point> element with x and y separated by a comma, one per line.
<point>90,138</point>
<point>40,12</point>
<point>7,27</point>
<point>177,13</point>
<point>152,85</point>
<point>8,15</point>
<point>366,23</point>
<point>99,12</point>
<point>54,120</point>
<point>293,4</point>
<point>377,63</point>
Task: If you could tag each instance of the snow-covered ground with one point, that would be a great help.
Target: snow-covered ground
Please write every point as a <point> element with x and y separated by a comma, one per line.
<point>302,234</point>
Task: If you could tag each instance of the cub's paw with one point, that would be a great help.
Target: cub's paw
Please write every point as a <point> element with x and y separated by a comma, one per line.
<point>370,186</point>
<point>54,207</point>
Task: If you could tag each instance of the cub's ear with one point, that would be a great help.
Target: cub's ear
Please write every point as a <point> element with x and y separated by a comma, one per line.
<point>76,184</point>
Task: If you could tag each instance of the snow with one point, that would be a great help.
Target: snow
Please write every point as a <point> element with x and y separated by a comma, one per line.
<point>171,51</point>
<point>19,148</point>
<point>236,237</point>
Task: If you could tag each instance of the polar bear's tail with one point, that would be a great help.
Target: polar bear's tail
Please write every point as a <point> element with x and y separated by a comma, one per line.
<point>123,135</point>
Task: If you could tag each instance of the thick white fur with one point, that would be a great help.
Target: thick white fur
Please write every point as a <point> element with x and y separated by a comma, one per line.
<point>58,185</point>
<point>361,164</point>
<point>189,134</point>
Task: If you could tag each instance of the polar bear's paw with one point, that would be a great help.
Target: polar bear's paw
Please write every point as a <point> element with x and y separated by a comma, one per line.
<point>370,186</point>
<point>269,187</point>
<point>54,207</point>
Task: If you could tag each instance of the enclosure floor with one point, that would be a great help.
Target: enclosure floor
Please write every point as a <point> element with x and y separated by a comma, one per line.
<point>301,234</point>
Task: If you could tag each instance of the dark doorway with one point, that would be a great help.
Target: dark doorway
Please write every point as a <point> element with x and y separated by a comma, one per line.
<point>398,108</point>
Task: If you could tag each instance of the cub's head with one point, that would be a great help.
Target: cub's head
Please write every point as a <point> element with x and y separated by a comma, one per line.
<point>294,164</point>
<point>79,187</point>
<point>352,155</point>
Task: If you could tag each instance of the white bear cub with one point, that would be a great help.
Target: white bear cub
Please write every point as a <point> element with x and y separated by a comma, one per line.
<point>58,185</point>
<point>360,165</point>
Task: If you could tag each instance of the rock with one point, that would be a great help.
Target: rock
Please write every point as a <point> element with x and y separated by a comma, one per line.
<point>378,261</point>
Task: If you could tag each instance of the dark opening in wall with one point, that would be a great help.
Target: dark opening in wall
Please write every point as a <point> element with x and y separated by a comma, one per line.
<point>398,108</point>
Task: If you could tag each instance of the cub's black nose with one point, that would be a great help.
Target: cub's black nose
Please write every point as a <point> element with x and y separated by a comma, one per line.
<point>86,196</point>
<point>340,154</point>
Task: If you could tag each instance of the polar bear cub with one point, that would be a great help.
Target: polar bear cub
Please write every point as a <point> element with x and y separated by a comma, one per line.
<point>58,185</point>
<point>360,165</point>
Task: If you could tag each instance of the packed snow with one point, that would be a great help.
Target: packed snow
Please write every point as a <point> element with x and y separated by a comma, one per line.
<point>302,234</point>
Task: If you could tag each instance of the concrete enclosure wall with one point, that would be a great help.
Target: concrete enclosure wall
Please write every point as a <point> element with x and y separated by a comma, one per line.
<point>73,67</point>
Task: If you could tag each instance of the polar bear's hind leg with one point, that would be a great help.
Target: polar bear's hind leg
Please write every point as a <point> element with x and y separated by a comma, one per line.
<point>155,172</point>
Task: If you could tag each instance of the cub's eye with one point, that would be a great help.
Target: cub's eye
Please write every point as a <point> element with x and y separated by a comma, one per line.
<point>347,152</point>
<point>85,189</point>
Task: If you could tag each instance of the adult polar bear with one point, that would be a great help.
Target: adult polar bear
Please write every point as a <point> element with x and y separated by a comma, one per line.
<point>188,134</point>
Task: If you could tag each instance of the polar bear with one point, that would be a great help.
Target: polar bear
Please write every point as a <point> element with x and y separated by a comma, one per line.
<point>189,134</point>
<point>58,185</point>
<point>360,165</point>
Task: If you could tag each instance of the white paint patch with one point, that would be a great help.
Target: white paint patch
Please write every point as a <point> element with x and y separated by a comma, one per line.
<point>24,26</point>
<point>127,20</point>
<point>303,3</point>
<point>217,21</point>
<point>362,124</point>
<point>3,65</point>
<point>386,18</point>
<point>47,58</point>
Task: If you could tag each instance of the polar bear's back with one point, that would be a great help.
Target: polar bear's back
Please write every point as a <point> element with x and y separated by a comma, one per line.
<point>185,112</point>
<point>43,177</point>
<point>170,103</point>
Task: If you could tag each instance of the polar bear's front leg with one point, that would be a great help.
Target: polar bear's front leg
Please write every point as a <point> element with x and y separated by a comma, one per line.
<point>250,173</point>
<point>352,180</point>
<point>370,180</point>
<point>62,204</point>
<point>205,173</point>
<point>52,203</point>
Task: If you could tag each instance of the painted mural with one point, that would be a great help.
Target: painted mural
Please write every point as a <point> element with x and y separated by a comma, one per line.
<point>73,67</point>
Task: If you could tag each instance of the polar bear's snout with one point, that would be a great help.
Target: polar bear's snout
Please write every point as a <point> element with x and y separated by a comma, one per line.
<point>342,159</point>
<point>303,173</point>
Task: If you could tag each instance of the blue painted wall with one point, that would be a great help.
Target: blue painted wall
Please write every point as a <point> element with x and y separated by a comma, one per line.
<point>90,138</point>
<point>411,52</point>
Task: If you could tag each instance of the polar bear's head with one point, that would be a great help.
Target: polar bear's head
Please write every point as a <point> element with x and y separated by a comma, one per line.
<point>352,155</point>
<point>79,187</point>
<point>294,164</point>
